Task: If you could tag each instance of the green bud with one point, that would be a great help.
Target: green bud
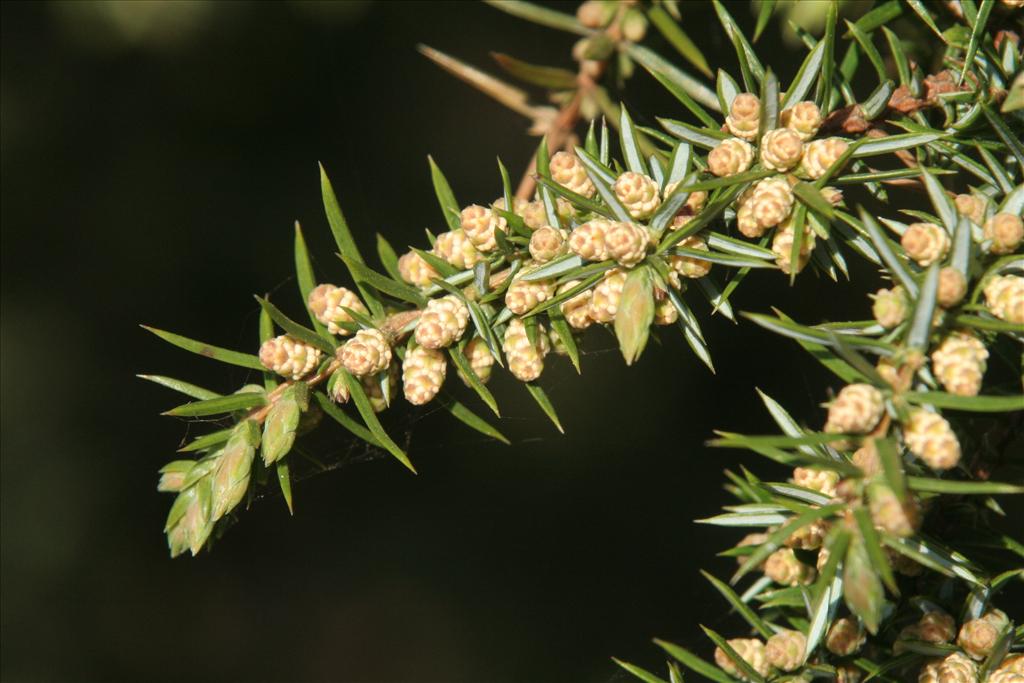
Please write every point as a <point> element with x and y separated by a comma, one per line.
<point>634,25</point>
<point>282,422</point>
<point>231,478</point>
<point>635,314</point>
<point>172,475</point>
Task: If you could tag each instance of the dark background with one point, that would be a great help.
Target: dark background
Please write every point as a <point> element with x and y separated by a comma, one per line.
<point>153,163</point>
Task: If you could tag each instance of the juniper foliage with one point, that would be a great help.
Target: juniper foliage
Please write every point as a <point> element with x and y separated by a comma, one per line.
<point>879,557</point>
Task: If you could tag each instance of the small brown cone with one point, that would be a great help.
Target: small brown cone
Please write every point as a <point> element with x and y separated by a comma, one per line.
<point>936,627</point>
<point>845,637</point>
<point>977,637</point>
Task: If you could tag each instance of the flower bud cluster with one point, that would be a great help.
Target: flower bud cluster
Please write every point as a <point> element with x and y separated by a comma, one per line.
<point>782,246</point>
<point>891,306</point>
<point>955,668</point>
<point>525,357</point>
<point>785,650</point>
<point>845,637</point>
<point>414,269</point>
<point>972,206</point>
<point>457,249</point>
<point>1004,232</point>
<point>442,322</point>
<point>289,357</point>
<point>328,304</point>
<point>820,155</point>
<point>568,171</point>
<point>803,118</point>
<point>599,240</point>
<point>979,636</point>
<point>783,567</point>
<point>604,301</point>
<point>856,410</point>
<point>366,354</point>
<point>638,193</point>
<point>690,266</point>
<point>547,243</point>
<point>479,224</point>
<point>480,359</point>
<point>929,437</point>
<point>730,157</point>
<point>750,650</point>
<point>522,296</point>
<point>423,372</point>
<point>1004,297</point>
<point>781,149</point>
<point>925,243</point>
<point>576,309</point>
<point>959,363</point>
<point>744,117</point>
